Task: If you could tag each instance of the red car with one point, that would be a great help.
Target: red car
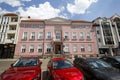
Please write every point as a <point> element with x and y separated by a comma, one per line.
<point>62,69</point>
<point>25,68</point>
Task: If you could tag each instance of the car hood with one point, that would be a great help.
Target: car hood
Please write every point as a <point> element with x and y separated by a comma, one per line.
<point>19,73</point>
<point>69,74</point>
<point>108,73</point>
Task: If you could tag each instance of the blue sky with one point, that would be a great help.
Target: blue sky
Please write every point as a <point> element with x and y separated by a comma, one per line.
<point>69,9</point>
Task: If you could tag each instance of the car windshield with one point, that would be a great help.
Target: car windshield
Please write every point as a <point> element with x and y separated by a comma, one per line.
<point>95,64</point>
<point>62,64</point>
<point>118,59</point>
<point>22,62</point>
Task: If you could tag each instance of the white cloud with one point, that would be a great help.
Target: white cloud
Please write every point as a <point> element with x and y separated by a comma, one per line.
<point>2,11</point>
<point>44,11</point>
<point>79,6</point>
<point>13,3</point>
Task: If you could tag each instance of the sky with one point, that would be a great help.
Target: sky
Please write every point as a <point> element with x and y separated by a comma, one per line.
<point>70,9</point>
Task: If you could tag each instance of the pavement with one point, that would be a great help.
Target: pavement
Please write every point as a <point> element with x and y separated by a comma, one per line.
<point>5,64</point>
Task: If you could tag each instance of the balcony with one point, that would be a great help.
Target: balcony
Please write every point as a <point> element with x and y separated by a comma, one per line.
<point>11,31</point>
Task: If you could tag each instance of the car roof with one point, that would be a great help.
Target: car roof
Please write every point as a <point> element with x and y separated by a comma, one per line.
<point>111,57</point>
<point>57,59</point>
<point>92,59</point>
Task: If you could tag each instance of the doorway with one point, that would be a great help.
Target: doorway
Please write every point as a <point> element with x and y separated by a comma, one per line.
<point>58,49</point>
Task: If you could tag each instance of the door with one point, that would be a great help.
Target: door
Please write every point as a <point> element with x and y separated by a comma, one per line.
<point>57,49</point>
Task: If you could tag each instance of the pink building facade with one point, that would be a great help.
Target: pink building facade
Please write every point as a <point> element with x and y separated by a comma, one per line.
<point>56,36</point>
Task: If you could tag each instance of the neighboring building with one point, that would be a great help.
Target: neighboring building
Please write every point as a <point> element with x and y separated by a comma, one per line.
<point>56,36</point>
<point>9,28</point>
<point>108,34</point>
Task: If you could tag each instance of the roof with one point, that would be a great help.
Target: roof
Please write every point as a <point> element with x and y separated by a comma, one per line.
<point>92,59</point>
<point>31,20</point>
<point>81,21</point>
<point>10,14</point>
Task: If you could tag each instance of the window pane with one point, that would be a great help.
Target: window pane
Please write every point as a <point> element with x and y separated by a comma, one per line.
<point>40,48</point>
<point>32,48</point>
<point>23,48</point>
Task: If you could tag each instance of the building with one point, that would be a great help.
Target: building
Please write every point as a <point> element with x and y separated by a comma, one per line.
<point>108,34</point>
<point>56,36</point>
<point>9,28</point>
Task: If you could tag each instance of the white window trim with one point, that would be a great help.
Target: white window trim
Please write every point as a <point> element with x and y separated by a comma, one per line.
<point>49,35</point>
<point>82,47</point>
<point>39,36</point>
<point>24,37</point>
<point>74,35</point>
<point>75,48</point>
<point>23,47</point>
<point>90,48</point>
<point>81,35</point>
<point>66,48</point>
<point>31,47</point>
<point>40,47</point>
<point>88,34</point>
<point>32,35</point>
<point>66,35</point>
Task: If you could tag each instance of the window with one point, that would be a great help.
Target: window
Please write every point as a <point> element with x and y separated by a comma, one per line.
<point>41,26</point>
<point>33,35</point>
<point>66,35</point>
<point>87,26</point>
<point>90,48</point>
<point>26,25</point>
<point>23,49</point>
<point>98,32</point>
<point>24,35</point>
<point>66,48</point>
<point>75,48</point>
<point>74,35</point>
<point>40,48</point>
<point>32,48</point>
<point>49,35</point>
<point>41,35</point>
<point>58,35</point>
<point>88,35</point>
<point>82,48</point>
<point>99,40</point>
<point>49,48</point>
<point>81,35</point>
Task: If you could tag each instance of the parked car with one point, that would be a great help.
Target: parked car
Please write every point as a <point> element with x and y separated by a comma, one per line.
<point>96,69</point>
<point>114,61</point>
<point>25,68</point>
<point>63,69</point>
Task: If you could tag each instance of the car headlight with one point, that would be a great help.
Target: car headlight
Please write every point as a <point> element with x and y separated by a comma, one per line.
<point>37,77</point>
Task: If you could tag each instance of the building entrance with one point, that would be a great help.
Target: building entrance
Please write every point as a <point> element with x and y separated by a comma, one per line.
<point>58,47</point>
